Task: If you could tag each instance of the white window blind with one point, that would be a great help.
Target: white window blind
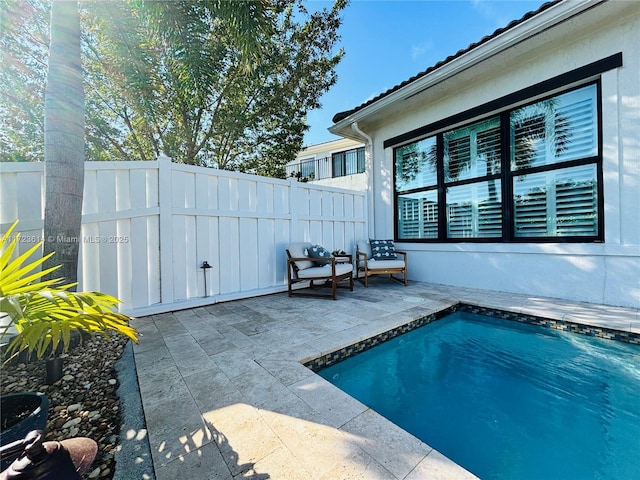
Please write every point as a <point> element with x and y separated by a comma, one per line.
<point>474,210</point>
<point>556,203</point>
<point>416,165</point>
<point>544,158</point>
<point>555,130</point>
<point>472,151</point>
<point>418,215</point>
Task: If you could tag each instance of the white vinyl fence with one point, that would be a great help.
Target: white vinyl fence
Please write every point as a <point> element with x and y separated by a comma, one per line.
<point>147,228</point>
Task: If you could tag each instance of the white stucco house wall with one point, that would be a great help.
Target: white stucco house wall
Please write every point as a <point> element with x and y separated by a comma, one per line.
<point>336,163</point>
<point>514,165</point>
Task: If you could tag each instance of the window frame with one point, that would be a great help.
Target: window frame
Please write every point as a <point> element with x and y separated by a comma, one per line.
<point>341,157</point>
<point>506,175</point>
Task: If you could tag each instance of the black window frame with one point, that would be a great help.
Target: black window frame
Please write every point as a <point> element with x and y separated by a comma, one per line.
<point>506,175</point>
<point>341,158</point>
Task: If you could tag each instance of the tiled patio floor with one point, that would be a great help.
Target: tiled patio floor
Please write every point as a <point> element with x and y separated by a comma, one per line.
<point>225,395</point>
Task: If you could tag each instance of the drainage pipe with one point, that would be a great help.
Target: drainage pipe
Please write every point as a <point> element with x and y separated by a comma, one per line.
<point>370,176</point>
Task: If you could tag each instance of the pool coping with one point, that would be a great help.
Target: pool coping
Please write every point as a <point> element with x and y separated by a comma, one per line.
<point>326,360</point>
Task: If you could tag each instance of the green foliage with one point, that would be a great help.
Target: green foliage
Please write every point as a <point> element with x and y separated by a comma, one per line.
<point>24,41</point>
<point>45,312</point>
<point>225,84</point>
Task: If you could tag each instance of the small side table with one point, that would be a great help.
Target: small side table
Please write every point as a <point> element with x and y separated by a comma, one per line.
<point>344,258</point>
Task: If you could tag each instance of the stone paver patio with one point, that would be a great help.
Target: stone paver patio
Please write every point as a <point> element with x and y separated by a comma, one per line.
<point>226,397</point>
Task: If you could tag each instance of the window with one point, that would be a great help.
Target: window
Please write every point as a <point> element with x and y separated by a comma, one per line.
<point>527,174</point>
<point>472,154</point>
<point>348,162</point>
<point>472,151</point>
<point>304,168</point>
<point>556,203</point>
<point>416,176</point>
<point>474,210</point>
<point>308,167</point>
<point>418,215</point>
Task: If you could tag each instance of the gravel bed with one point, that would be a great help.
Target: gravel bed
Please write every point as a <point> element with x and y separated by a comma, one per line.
<point>84,402</point>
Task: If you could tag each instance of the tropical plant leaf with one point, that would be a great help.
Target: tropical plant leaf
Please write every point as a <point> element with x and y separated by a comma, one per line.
<point>45,313</point>
<point>14,274</point>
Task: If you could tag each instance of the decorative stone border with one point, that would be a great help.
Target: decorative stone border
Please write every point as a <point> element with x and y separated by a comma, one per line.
<point>341,354</point>
<point>572,327</point>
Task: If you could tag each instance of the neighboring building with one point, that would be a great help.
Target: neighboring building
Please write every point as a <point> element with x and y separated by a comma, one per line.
<point>514,164</point>
<point>338,163</point>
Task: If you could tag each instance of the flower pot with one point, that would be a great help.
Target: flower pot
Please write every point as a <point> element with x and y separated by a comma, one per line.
<point>19,414</point>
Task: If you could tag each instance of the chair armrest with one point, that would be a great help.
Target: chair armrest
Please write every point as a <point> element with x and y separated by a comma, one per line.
<point>362,256</point>
<point>322,259</point>
<point>300,259</point>
<point>404,256</point>
<point>291,263</point>
<point>331,260</point>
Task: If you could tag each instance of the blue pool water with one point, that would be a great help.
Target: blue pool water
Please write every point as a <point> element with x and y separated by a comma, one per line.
<point>507,400</point>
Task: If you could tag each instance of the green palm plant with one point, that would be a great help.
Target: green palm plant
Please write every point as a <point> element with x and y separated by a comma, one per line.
<point>44,313</point>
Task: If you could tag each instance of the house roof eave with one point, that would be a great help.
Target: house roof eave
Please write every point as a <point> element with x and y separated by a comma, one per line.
<point>549,15</point>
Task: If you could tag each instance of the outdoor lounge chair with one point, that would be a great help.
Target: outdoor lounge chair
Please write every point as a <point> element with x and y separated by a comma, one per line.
<point>326,271</point>
<point>390,262</point>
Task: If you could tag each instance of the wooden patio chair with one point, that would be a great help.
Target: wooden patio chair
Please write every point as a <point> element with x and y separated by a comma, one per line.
<point>325,272</point>
<point>367,263</point>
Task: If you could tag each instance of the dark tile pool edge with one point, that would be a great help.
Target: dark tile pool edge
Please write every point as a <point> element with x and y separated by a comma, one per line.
<point>343,353</point>
<point>329,359</point>
<point>563,325</point>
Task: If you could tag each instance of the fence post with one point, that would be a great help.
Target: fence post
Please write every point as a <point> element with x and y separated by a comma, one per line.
<point>165,199</point>
<point>293,210</point>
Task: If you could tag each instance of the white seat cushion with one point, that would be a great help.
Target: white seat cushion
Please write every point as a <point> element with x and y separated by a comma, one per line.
<point>300,250</point>
<point>383,264</point>
<point>325,271</point>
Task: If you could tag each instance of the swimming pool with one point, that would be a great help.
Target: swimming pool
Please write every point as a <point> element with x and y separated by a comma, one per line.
<point>507,400</point>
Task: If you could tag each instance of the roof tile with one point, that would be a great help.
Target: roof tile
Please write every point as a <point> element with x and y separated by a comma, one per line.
<point>342,115</point>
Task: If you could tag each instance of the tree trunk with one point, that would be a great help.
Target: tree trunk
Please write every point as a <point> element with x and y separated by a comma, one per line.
<point>64,126</point>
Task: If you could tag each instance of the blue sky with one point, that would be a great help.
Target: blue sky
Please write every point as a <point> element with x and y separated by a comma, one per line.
<point>388,41</point>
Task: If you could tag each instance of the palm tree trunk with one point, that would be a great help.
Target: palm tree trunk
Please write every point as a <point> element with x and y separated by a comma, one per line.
<point>64,127</point>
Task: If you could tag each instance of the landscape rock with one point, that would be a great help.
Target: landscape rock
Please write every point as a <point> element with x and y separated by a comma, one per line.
<point>83,403</point>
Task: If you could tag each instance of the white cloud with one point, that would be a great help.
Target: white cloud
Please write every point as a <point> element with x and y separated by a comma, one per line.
<point>484,8</point>
<point>375,94</point>
<point>420,49</point>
